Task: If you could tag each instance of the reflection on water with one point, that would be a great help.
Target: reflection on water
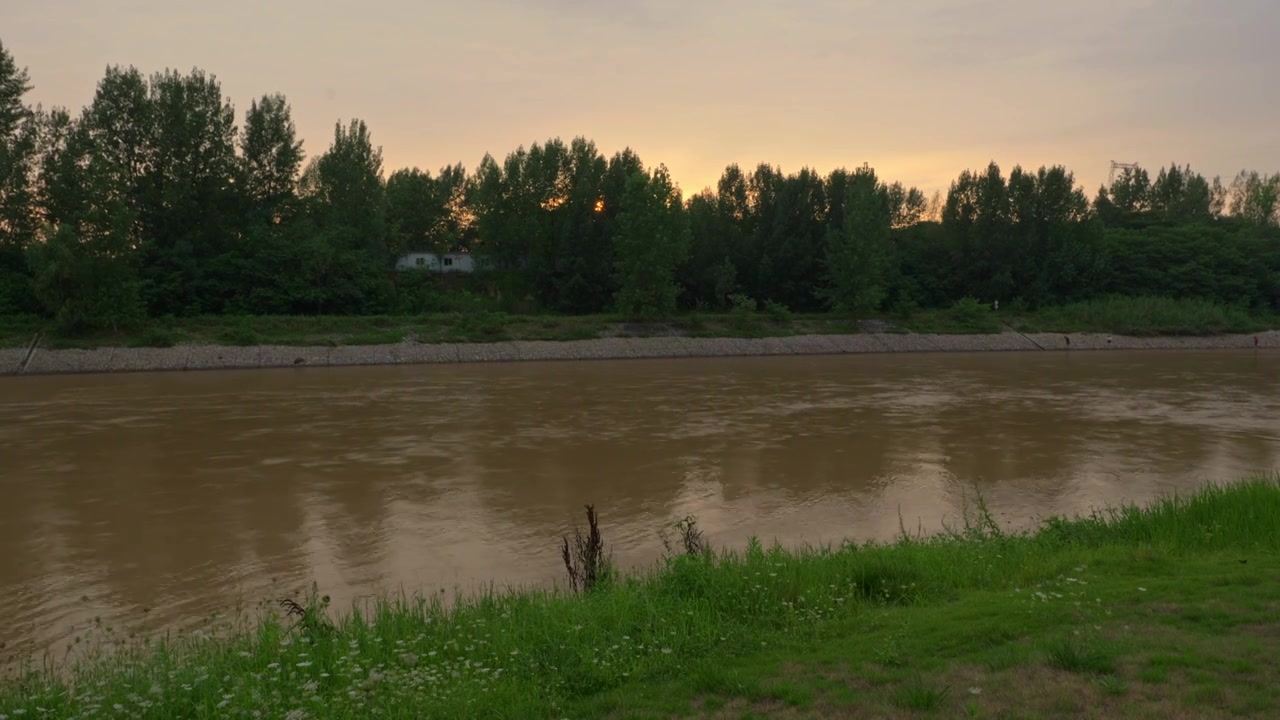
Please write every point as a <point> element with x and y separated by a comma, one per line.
<point>181,493</point>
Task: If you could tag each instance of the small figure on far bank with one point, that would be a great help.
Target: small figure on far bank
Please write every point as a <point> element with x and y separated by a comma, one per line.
<point>1068,339</point>
<point>1255,341</point>
<point>996,306</point>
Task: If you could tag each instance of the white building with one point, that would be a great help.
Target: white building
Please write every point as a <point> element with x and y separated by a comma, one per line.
<point>450,262</point>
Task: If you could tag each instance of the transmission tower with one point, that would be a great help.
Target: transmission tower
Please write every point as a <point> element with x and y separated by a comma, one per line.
<point>1111,178</point>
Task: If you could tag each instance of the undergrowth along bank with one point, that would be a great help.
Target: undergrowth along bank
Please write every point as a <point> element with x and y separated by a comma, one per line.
<point>1138,316</point>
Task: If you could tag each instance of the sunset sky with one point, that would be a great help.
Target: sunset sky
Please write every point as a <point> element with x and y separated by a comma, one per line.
<point>920,89</point>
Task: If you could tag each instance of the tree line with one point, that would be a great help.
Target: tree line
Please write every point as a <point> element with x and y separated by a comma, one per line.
<point>153,201</point>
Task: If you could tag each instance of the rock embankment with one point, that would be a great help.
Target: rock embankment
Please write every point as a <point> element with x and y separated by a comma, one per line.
<point>215,357</point>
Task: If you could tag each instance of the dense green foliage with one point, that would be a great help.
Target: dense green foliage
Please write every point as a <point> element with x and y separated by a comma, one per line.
<point>153,202</point>
<point>1140,316</point>
<point>1105,595</point>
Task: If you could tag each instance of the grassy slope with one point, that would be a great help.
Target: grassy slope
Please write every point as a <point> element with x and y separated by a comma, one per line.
<point>1168,612</point>
<point>451,327</point>
<point>1128,316</point>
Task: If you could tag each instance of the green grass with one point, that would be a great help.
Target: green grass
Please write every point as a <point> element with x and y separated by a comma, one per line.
<point>1076,654</point>
<point>1127,316</point>
<point>967,316</point>
<point>482,326</point>
<point>1165,611</point>
<point>1146,316</point>
<point>17,330</point>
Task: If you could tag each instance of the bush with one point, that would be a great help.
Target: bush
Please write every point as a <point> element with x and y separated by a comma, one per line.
<point>742,313</point>
<point>777,311</point>
<point>155,337</point>
<point>1146,316</point>
<point>742,304</point>
<point>969,313</point>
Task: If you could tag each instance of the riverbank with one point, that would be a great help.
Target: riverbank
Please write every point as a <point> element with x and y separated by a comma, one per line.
<point>1164,611</point>
<point>39,360</point>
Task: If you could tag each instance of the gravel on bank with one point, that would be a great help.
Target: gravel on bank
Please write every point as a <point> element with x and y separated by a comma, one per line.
<point>216,357</point>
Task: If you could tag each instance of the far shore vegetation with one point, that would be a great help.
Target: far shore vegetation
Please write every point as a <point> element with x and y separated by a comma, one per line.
<point>1167,610</point>
<point>161,213</point>
<point>1142,317</point>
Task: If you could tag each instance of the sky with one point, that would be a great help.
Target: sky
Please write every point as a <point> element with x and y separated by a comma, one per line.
<point>919,89</point>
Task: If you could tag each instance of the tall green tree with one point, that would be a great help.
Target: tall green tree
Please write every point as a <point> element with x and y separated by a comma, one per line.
<point>1255,198</point>
<point>1180,194</point>
<point>859,254</point>
<point>584,227</point>
<point>18,219</point>
<point>719,222</point>
<point>349,194</point>
<point>84,270</point>
<point>120,128</point>
<point>977,220</point>
<point>1128,198</point>
<point>413,212</point>
<point>190,198</point>
<point>274,230</point>
<point>271,157</point>
<point>345,260</point>
<point>907,206</point>
<point>546,217</point>
<point>652,242</point>
<point>788,227</point>
<point>1053,252</point>
<point>427,213</point>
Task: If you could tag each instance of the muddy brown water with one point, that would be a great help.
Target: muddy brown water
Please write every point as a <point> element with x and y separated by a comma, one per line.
<point>149,500</point>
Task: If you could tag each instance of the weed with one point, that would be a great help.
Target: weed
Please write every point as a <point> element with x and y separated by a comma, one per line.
<point>920,696</point>
<point>585,560</point>
<point>689,536</point>
<point>310,617</point>
<point>1076,654</point>
<point>1112,685</point>
<point>889,652</point>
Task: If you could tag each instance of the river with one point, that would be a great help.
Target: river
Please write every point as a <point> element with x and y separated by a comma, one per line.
<point>149,500</point>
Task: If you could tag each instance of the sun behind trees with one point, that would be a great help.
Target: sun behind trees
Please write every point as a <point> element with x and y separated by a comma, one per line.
<point>152,202</point>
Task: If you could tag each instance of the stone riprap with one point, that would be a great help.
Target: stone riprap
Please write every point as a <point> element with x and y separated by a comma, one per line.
<point>292,356</point>
<point>11,359</point>
<point>218,357</point>
<point>214,357</point>
<point>72,361</point>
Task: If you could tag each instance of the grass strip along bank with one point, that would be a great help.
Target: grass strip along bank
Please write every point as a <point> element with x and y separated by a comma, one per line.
<point>1135,316</point>
<point>1170,611</point>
